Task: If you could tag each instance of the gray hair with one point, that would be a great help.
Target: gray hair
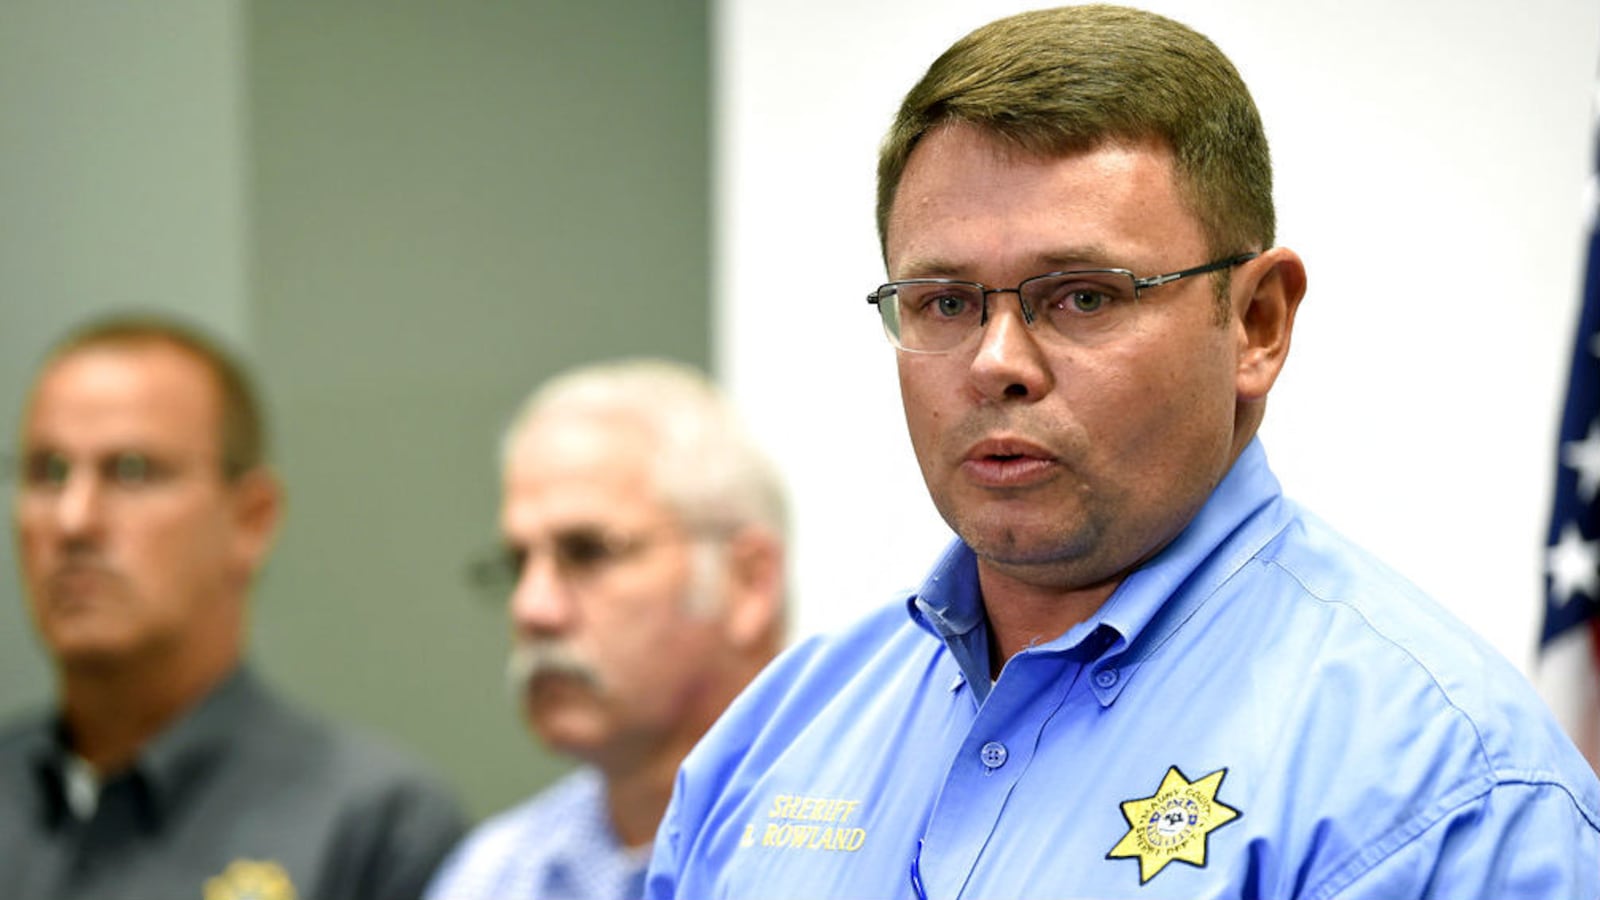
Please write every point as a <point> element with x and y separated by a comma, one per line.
<point>706,466</point>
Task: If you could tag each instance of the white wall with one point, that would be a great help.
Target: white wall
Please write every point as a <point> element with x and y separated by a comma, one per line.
<point>1430,161</point>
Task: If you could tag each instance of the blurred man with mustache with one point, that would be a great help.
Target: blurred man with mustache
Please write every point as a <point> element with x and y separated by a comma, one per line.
<point>143,508</point>
<point>644,536</point>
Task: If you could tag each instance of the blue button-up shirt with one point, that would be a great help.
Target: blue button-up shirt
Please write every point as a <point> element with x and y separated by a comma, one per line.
<point>1262,710</point>
<point>557,845</point>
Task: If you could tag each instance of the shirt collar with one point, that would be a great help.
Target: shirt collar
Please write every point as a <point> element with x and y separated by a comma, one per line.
<point>1149,605</point>
<point>44,749</point>
<point>585,815</point>
<point>586,856</point>
<point>183,753</point>
<point>949,606</point>
<point>1244,512</point>
<point>172,761</point>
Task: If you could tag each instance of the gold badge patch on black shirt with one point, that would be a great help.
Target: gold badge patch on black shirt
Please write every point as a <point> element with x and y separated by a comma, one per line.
<point>251,879</point>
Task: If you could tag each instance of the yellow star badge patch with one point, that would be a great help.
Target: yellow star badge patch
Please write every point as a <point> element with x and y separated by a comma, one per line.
<point>1174,823</point>
<point>250,879</point>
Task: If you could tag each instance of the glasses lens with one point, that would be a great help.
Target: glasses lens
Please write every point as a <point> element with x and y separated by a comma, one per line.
<point>587,553</point>
<point>930,315</point>
<point>494,574</point>
<point>1083,307</point>
<point>44,471</point>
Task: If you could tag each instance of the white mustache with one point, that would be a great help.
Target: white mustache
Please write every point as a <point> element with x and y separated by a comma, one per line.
<point>537,657</point>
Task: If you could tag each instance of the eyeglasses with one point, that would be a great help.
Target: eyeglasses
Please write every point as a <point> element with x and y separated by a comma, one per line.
<point>581,556</point>
<point>127,470</point>
<point>40,478</point>
<point>1083,306</point>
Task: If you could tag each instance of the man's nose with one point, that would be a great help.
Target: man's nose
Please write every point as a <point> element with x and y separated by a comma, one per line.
<point>541,601</point>
<point>1010,362</point>
<point>79,506</point>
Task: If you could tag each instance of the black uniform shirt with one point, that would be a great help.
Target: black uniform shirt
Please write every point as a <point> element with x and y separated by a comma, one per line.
<point>244,797</point>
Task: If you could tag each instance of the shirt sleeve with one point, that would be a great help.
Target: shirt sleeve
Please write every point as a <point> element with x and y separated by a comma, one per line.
<point>1529,840</point>
<point>391,844</point>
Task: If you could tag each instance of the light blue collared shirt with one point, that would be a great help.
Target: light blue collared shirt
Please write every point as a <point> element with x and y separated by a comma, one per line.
<point>1262,710</point>
<point>557,845</point>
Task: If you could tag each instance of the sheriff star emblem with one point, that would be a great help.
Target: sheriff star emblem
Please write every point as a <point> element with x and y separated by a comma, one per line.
<point>1173,823</point>
<point>250,879</point>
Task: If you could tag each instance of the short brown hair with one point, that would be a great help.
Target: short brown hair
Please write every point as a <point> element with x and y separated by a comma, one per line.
<point>1062,81</point>
<point>243,438</point>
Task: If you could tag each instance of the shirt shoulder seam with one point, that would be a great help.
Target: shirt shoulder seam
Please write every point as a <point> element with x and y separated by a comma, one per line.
<point>1477,734</point>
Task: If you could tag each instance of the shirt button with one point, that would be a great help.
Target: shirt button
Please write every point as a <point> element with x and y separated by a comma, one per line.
<point>993,755</point>
<point>1106,678</point>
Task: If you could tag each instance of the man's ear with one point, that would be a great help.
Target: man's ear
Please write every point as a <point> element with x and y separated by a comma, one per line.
<point>1264,311</point>
<point>753,603</point>
<point>257,509</point>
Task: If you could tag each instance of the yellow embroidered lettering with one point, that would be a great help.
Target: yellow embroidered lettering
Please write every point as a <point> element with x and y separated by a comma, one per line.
<point>791,819</point>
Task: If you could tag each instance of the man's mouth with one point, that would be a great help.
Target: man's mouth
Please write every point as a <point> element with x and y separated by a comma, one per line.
<point>1008,463</point>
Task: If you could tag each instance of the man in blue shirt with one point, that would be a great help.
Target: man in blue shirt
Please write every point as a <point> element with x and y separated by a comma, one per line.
<point>1140,671</point>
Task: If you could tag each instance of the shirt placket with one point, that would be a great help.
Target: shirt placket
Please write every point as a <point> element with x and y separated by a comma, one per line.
<point>995,754</point>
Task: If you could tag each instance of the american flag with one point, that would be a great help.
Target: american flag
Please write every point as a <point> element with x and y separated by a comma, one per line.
<point>1569,665</point>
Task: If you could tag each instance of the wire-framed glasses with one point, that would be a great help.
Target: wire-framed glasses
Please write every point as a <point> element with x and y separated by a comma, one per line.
<point>1083,306</point>
<point>582,555</point>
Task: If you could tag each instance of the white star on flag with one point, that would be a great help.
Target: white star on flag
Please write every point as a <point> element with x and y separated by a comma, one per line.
<point>1574,566</point>
<point>1583,457</point>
